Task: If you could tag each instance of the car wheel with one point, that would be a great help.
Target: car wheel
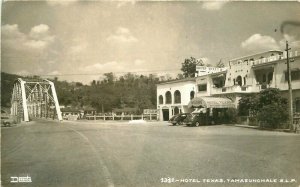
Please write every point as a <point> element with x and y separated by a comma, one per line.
<point>197,124</point>
<point>174,124</point>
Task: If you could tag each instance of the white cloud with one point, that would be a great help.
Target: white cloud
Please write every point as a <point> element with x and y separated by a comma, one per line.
<point>38,38</point>
<point>213,5</point>
<point>138,62</point>
<point>115,66</point>
<point>103,67</point>
<point>23,72</point>
<point>78,46</point>
<point>36,44</point>
<point>258,42</point>
<point>125,2</point>
<point>60,2</point>
<point>54,73</point>
<point>122,35</point>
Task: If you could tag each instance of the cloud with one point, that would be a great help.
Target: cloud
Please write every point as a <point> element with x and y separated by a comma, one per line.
<point>213,5</point>
<point>258,42</point>
<point>60,2</point>
<point>78,46</point>
<point>29,52</point>
<point>125,2</point>
<point>54,73</point>
<point>116,66</point>
<point>38,38</point>
<point>122,35</point>
<point>138,62</point>
<point>291,33</point>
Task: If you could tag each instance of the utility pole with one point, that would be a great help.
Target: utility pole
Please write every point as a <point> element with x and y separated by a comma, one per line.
<point>290,87</point>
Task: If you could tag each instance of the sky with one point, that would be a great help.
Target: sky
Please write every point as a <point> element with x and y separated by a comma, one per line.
<point>82,40</point>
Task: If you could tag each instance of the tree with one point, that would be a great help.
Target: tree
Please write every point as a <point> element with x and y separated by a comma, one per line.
<point>188,67</point>
<point>269,107</point>
<point>220,64</point>
<point>179,76</point>
<point>248,105</point>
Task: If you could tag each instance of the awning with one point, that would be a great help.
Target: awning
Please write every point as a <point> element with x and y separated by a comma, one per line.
<point>211,102</point>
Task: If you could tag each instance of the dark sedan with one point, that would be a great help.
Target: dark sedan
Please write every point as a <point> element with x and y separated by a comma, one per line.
<point>197,119</point>
<point>178,119</point>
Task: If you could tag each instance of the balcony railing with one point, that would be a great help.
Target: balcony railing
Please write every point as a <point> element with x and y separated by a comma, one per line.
<point>236,89</point>
<point>274,58</point>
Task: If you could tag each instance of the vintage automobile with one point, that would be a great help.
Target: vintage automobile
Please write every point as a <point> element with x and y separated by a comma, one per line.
<point>198,117</point>
<point>178,119</point>
<point>6,119</point>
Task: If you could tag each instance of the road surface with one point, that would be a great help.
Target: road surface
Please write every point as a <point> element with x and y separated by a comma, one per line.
<point>90,153</point>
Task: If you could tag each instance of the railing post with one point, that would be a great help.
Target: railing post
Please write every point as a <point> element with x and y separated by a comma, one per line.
<point>94,117</point>
<point>113,116</point>
<point>104,117</point>
<point>131,117</point>
<point>142,116</point>
<point>150,116</point>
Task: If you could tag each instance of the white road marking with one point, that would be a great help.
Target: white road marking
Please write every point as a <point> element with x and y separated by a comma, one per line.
<point>107,174</point>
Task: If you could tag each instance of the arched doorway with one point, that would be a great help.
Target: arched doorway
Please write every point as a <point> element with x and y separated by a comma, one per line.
<point>239,80</point>
<point>176,110</point>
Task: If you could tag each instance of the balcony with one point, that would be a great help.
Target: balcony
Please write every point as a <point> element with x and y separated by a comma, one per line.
<point>236,89</point>
<point>274,58</point>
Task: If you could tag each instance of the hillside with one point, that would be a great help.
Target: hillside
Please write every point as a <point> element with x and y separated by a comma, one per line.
<point>130,90</point>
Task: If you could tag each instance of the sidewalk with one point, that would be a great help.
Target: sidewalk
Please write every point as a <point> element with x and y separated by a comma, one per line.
<point>259,128</point>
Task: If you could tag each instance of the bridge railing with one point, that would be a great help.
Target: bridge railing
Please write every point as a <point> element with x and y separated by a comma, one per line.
<point>149,117</point>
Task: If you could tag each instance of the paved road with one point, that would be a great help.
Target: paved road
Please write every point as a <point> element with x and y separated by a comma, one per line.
<point>71,154</point>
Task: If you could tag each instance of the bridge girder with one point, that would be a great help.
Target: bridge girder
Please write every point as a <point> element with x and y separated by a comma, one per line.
<point>34,99</point>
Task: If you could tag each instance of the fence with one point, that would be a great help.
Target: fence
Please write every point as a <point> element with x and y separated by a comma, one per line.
<point>149,117</point>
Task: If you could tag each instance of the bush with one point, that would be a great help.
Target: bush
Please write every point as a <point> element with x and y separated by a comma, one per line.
<point>231,115</point>
<point>272,115</point>
<point>268,107</point>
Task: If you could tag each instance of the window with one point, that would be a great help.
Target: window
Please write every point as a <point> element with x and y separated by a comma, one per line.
<point>168,97</point>
<point>161,99</point>
<point>192,95</point>
<point>239,80</point>
<point>295,75</point>
<point>177,96</point>
<point>202,87</point>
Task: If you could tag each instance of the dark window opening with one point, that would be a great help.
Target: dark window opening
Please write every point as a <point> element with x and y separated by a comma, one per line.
<point>177,97</point>
<point>161,99</point>
<point>295,75</point>
<point>192,95</point>
<point>202,87</point>
<point>239,80</point>
<point>168,97</point>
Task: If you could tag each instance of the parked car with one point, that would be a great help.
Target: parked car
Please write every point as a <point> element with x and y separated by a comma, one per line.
<point>6,119</point>
<point>178,119</point>
<point>197,119</point>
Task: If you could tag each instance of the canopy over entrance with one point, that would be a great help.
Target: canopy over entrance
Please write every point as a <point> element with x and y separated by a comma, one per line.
<point>211,102</point>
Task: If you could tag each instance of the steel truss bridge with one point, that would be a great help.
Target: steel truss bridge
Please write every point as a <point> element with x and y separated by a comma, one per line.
<point>34,98</point>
